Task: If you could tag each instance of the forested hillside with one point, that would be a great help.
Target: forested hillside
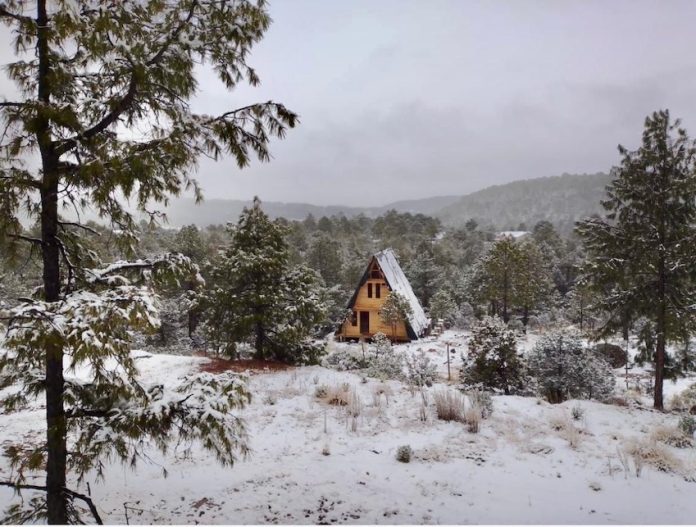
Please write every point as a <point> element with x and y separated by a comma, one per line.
<point>559,199</point>
<point>185,211</point>
<point>562,200</point>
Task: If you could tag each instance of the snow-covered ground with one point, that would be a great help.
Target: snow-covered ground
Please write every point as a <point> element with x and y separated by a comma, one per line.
<point>530,463</point>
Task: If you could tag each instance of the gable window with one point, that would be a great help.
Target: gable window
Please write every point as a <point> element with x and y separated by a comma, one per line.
<point>375,272</point>
<point>369,290</point>
<point>378,290</point>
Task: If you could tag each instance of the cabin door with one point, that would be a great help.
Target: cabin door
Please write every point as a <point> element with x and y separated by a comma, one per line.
<point>364,322</point>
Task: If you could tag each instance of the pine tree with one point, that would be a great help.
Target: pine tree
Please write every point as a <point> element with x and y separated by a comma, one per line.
<point>443,306</point>
<point>394,310</point>
<point>255,295</point>
<point>494,278</point>
<point>89,75</point>
<point>565,369</point>
<point>641,255</point>
<point>493,362</point>
<point>532,284</point>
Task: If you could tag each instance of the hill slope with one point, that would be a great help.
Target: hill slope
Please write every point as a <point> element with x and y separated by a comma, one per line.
<point>184,211</point>
<point>559,199</point>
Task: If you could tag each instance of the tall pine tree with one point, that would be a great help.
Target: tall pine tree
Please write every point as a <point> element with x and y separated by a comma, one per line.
<point>644,247</point>
<point>255,295</point>
<point>89,74</point>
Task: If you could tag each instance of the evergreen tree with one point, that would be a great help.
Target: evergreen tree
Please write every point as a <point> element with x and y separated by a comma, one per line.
<point>644,247</point>
<point>423,274</point>
<point>565,369</point>
<point>394,310</point>
<point>325,257</point>
<point>254,295</point>
<point>493,362</point>
<point>494,278</point>
<point>531,280</point>
<point>443,307</point>
<point>89,74</point>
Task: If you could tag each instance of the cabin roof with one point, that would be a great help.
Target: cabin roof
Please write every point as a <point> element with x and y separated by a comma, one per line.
<point>397,280</point>
<point>417,322</point>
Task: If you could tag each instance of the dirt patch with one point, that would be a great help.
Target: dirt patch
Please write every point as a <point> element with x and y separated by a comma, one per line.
<point>218,365</point>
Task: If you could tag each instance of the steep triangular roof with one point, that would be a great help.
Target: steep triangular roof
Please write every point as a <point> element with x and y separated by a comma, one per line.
<point>397,281</point>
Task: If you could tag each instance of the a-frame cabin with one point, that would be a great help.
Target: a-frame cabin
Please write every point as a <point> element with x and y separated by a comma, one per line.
<point>382,275</point>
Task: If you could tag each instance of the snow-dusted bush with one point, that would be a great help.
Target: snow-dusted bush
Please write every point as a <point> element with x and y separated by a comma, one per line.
<point>577,412</point>
<point>687,425</point>
<point>482,400</point>
<point>388,365</point>
<point>381,344</point>
<point>321,391</point>
<point>650,452</point>
<point>420,371</point>
<point>685,401</point>
<point>565,369</point>
<point>672,436</point>
<point>449,405</point>
<point>493,361</point>
<point>516,325</point>
<point>344,359</point>
<point>404,453</point>
<point>381,389</point>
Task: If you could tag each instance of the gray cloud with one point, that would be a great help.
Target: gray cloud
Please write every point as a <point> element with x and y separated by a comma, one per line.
<point>406,99</point>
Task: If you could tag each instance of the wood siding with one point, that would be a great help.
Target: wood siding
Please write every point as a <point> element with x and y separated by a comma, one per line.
<point>372,305</point>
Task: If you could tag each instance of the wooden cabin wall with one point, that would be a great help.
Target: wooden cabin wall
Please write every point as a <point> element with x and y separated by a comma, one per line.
<point>364,303</point>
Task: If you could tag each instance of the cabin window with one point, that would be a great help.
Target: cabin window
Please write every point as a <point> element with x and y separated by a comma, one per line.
<point>375,272</point>
<point>354,318</point>
<point>369,290</point>
<point>378,290</point>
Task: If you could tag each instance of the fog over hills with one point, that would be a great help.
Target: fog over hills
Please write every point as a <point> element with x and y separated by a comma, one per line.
<point>559,199</point>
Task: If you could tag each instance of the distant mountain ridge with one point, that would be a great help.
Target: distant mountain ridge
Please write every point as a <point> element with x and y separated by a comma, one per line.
<point>562,200</point>
<point>185,211</point>
<point>559,199</point>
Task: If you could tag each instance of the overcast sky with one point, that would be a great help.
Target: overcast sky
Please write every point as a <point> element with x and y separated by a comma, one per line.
<point>402,100</point>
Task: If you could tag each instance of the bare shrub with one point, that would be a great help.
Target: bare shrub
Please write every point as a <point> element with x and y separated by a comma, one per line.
<point>449,405</point>
<point>472,418</point>
<point>672,436</point>
<point>650,452</point>
<point>483,400</point>
<point>684,401</point>
<point>568,431</point>
<point>423,409</point>
<point>336,395</point>
<point>577,412</point>
<point>379,390</point>
<point>355,406</point>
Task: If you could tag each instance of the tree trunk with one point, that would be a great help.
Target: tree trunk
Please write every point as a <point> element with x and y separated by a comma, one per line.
<point>658,402</point>
<point>259,342</point>
<point>56,451</point>
<point>506,317</point>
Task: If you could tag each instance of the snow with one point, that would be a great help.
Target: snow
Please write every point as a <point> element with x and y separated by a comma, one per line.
<point>397,280</point>
<point>511,234</point>
<point>518,469</point>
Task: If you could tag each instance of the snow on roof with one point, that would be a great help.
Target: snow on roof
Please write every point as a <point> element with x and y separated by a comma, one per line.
<point>512,234</point>
<point>398,282</point>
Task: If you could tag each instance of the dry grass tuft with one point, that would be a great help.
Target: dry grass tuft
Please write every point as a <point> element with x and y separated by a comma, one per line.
<point>449,405</point>
<point>650,452</point>
<point>671,436</point>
